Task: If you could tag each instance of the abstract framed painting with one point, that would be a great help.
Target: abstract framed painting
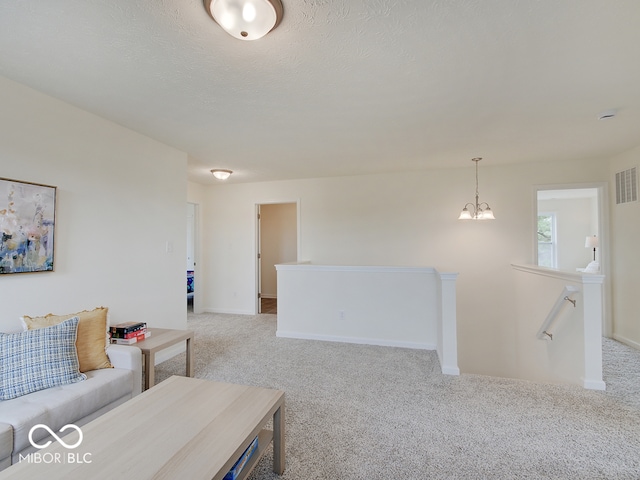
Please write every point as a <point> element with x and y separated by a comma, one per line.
<point>27,226</point>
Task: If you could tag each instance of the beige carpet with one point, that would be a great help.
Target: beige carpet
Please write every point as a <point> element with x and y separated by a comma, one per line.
<point>368,412</point>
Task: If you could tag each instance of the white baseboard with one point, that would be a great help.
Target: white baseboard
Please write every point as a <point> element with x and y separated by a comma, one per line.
<point>357,340</point>
<point>626,341</point>
<point>594,384</point>
<point>450,370</point>
<point>229,311</point>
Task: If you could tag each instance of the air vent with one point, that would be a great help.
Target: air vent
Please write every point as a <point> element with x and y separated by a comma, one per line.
<point>627,186</point>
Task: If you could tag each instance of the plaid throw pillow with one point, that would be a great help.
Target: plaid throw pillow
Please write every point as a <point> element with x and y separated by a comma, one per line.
<point>37,359</point>
<point>92,335</point>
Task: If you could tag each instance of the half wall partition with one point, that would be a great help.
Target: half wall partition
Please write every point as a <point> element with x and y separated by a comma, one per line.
<point>410,307</point>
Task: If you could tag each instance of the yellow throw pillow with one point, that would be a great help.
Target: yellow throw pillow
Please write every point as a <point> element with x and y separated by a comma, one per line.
<point>92,334</point>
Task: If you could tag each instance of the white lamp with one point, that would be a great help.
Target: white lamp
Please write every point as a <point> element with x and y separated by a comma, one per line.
<point>245,19</point>
<point>592,242</point>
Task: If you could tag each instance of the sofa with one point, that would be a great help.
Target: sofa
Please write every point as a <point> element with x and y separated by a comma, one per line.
<point>100,384</point>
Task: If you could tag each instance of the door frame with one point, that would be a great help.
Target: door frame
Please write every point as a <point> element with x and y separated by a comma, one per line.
<point>258,241</point>
<point>603,230</point>
<point>197,278</point>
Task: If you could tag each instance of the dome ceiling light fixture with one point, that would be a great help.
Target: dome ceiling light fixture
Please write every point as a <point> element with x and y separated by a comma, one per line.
<point>221,174</point>
<point>245,19</point>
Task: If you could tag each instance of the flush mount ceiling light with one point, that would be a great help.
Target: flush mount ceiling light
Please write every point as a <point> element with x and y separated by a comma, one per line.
<point>479,211</point>
<point>221,174</point>
<point>245,19</point>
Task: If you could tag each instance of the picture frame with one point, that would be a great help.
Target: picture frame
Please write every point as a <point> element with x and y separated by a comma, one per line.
<point>27,226</point>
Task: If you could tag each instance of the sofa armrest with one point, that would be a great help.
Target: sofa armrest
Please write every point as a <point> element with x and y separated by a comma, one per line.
<point>6,445</point>
<point>128,357</point>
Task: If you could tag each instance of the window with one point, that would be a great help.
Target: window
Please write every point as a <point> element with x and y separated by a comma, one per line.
<point>547,255</point>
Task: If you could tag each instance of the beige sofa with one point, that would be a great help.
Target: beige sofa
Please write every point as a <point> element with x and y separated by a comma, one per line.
<point>75,403</point>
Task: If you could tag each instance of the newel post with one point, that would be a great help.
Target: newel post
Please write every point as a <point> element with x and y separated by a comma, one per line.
<point>593,314</point>
<point>447,329</point>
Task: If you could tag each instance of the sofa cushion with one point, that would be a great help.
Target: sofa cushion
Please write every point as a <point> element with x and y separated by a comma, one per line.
<point>38,359</point>
<point>92,335</point>
<point>58,406</point>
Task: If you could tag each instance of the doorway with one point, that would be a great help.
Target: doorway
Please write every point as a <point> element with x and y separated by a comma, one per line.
<point>569,219</point>
<point>193,297</point>
<point>277,242</point>
<point>566,217</point>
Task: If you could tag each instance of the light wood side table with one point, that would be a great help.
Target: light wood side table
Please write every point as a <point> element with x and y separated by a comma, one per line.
<point>160,339</point>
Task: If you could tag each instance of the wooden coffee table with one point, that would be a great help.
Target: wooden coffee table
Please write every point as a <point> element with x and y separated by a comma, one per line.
<point>183,428</point>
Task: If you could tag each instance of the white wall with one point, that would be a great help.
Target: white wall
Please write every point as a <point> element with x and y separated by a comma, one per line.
<point>121,197</point>
<point>373,305</point>
<point>625,224</point>
<point>399,219</point>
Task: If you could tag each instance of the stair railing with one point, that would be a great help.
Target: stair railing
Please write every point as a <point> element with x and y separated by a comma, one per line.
<point>563,299</point>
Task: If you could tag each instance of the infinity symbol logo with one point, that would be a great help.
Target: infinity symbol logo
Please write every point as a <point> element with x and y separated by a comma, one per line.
<point>49,442</point>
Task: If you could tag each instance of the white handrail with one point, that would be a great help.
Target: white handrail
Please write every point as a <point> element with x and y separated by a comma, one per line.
<point>568,290</point>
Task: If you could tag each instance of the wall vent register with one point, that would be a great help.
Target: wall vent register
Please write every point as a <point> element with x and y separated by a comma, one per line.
<point>627,186</point>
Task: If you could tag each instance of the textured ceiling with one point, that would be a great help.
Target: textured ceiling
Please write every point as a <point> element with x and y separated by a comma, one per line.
<point>343,87</point>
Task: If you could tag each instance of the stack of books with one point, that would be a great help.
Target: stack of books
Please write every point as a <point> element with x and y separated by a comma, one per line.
<point>128,333</point>
<point>242,461</point>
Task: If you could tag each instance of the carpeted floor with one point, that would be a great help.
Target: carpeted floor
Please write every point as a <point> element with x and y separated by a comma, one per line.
<point>369,412</point>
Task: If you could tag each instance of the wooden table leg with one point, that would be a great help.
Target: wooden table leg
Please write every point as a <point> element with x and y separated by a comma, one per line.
<point>189,357</point>
<point>278,440</point>
<point>149,370</point>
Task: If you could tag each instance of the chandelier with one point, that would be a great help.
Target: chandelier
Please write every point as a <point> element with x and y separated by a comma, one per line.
<point>479,211</point>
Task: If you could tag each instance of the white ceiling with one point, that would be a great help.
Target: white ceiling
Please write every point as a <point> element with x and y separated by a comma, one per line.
<point>343,87</point>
